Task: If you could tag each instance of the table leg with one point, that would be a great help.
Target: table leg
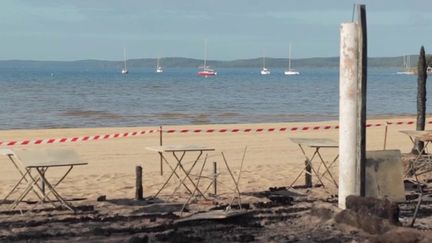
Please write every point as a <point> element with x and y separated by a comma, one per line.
<point>235,182</point>
<point>196,188</point>
<point>188,172</point>
<point>308,167</point>
<point>44,170</point>
<point>327,169</point>
<point>169,178</point>
<point>32,185</point>
<point>53,191</point>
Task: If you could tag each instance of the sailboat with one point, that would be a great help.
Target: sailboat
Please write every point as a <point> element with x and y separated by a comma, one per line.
<point>206,70</point>
<point>124,69</point>
<point>159,68</point>
<point>264,70</point>
<point>407,69</point>
<point>290,70</point>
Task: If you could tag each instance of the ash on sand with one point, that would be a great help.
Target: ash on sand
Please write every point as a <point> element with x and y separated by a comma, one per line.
<point>277,215</point>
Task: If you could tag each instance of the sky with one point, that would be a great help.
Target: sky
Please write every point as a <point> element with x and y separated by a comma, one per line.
<point>234,29</point>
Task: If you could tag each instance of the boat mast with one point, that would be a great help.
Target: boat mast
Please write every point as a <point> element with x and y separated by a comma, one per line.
<point>289,58</point>
<point>124,58</point>
<point>205,54</point>
<point>408,65</point>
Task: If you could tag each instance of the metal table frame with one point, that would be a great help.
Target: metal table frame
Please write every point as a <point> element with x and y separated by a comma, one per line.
<point>179,152</point>
<point>316,144</point>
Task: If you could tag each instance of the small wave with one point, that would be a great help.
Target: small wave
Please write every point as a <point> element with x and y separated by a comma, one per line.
<point>91,114</point>
<point>229,114</point>
<point>195,118</point>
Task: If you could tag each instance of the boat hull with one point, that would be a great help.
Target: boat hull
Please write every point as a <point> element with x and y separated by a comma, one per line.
<point>406,73</point>
<point>265,72</point>
<point>291,73</point>
<point>207,73</point>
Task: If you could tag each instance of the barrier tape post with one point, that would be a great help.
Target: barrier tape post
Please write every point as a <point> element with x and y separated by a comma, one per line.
<point>385,135</point>
<point>160,153</point>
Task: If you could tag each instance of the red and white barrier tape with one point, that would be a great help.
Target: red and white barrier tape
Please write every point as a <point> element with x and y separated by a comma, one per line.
<point>282,129</point>
<point>209,130</point>
<point>76,139</point>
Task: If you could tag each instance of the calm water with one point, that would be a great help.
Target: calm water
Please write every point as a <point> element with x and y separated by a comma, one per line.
<point>45,98</point>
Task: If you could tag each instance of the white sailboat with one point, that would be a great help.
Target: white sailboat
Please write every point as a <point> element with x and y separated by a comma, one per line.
<point>264,70</point>
<point>407,69</point>
<point>206,70</point>
<point>159,68</point>
<point>124,69</point>
<point>290,70</point>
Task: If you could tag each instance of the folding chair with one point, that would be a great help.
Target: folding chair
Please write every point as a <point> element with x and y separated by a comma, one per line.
<point>25,177</point>
<point>33,165</point>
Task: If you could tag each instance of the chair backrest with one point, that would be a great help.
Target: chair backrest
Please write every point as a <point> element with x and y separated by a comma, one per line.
<point>7,152</point>
<point>48,157</point>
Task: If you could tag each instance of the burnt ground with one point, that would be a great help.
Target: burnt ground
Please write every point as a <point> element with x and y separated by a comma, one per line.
<point>281,219</point>
<point>277,215</point>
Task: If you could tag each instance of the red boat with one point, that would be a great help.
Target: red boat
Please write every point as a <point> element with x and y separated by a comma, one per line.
<point>207,72</point>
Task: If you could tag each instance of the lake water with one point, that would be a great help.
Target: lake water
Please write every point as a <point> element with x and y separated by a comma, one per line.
<point>45,98</point>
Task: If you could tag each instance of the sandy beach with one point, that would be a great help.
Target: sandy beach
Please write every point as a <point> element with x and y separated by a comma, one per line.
<point>271,158</point>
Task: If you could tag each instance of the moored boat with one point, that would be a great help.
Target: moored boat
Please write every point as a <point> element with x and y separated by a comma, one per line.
<point>290,70</point>
<point>124,69</point>
<point>206,71</point>
<point>264,70</point>
<point>159,68</point>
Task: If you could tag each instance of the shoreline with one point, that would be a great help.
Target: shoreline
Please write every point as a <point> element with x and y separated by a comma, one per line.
<point>371,118</point>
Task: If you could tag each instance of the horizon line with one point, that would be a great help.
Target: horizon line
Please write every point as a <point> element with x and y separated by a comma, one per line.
<point>213,60</point>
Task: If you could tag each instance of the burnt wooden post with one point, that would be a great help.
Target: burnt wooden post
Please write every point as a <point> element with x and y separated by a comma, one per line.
<point>308,174</point>
<point>215,178</point>
<point>361,104</point>
<point>421,99</point>
<point>138,186</point>
<point>42,184</point>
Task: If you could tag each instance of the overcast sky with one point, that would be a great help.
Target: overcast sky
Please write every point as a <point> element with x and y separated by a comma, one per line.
<point>235,29</point>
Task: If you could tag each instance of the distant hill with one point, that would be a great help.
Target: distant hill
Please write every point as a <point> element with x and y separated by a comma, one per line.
<point>192,63</point>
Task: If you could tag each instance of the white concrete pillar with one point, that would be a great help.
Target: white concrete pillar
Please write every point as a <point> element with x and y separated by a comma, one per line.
<point>349,181</point>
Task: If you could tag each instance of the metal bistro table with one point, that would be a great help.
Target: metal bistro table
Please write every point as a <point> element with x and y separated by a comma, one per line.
<point>316,144</point>
<point>422,163</point>
<point>179,152</point>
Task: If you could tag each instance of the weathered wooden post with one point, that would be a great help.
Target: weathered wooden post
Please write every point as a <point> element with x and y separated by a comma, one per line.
<point>352,107</point>
<point>138,185</point>
<point>421,98</point>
